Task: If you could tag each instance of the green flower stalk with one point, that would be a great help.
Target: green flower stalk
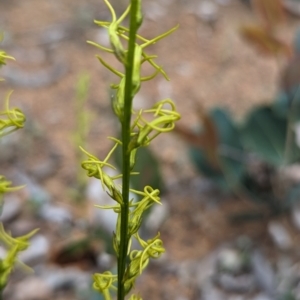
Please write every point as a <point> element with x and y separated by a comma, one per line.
<point>139,128</point>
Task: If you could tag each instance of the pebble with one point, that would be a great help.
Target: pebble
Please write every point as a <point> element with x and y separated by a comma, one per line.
<point>49,166</point>
<point>102,37</point>
<point>297,132</point>
<point>185,271</point>
<point>107,218</point>
<point>185,69</point>
<point>262,296</point>
<point>280,235</point>
<point>66,278</point>
<point>224,2</point>
<point>208,263</point>
<point>293,6</point>
<point>105,261</point>
<point>164,89</point>
<point>35,193</point>
<point>291,173</point>
<point>263,272</point>
<point>55,214</point>
<point>230,260</point>
<point>207,11</point>
<point>37,252</point>
<point>11,209</point>
<point>157,216</point>
<point>32,288</point>
<point>140,102</point>
<point>296,217</point>
<point>3,253</point>
<point>154,11</point>
<point>244,283</point>
<point>22,226</point>
<point>210,292</point>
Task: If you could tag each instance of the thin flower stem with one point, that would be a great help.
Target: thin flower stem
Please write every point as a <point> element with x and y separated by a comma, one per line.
<point>126,130</point>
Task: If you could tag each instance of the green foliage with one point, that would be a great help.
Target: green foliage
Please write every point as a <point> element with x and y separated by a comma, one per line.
<point>264,139</point>
<point>139,128</point>
<point>265,134</point>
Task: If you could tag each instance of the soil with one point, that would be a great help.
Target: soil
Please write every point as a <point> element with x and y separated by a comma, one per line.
<point>209,65</point>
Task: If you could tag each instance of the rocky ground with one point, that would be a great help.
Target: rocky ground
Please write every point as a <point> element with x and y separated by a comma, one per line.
<point>209,65</point>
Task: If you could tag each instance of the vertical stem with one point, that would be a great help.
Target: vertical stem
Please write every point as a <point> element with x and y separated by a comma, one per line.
<point>128,95</point>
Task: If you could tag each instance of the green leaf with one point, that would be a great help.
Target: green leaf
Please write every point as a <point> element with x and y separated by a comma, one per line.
<point>265,134</point>
<point>293,196</point>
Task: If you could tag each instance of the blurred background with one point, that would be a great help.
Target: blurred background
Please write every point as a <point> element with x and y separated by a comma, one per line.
<point>229,174</point>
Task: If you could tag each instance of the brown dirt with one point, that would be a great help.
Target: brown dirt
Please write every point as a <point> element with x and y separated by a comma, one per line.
<point>207,66</point>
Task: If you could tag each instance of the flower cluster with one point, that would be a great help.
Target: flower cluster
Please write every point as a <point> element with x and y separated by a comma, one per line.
<point>144,126</point>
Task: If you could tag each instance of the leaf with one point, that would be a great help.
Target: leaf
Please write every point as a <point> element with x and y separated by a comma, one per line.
<point>227,166</point>
<point>231,153</point>
<point>271,12</point>
<point>265,134</point>
<point>265,41</point>
<point>293,196</point>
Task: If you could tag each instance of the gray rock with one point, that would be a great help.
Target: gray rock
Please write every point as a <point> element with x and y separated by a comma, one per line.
<point>32,288</point>
<point>205,268</point>
<point>37,252</point>
<point>55,214</point>
<point>35,193</point>
<point>11,209</point>
<point>224,2</point>
<point>105,261</point>
<point>210,292</point>
<point>3,253</point>
<point>59,279</point>
<point>280,235</point>
<point>106,218</point>
<point>296,217</point>
<point>230,260</point>
<point>23,226</point>
<point>185,271</point>
<point>207,11</point>
<point>140,101</point>
<point>291,173</point>
<point>293,6</point>
<point>262,296</point>
<point>102,37</point>
<point>184,69</point>
<point>154,11</point>
<point>244,283</point>
<point>164,89</point>
<point>49,166</point>
<point>263,272</point>
<point>157,216</point>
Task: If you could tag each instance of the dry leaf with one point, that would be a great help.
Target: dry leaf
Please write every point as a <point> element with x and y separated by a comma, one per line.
<point>265,41</point>
<point>207,140</point>
<point>271,12</point>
